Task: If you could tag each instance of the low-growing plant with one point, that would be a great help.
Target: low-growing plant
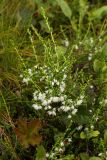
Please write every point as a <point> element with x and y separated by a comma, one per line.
<point>56,107</point>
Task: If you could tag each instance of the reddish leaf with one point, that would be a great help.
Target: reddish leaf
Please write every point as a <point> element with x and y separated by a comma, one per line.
<point>27,133</point>
<point>35,140</point>
<point>34,126</point>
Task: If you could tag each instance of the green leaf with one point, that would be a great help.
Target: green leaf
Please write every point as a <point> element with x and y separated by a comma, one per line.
<point>84,156</point>
<point>94,158</point>
<point>41,153</point>
<point>82,9</point>
<point>68,157</point>
<point>105,137</point>
<point>60,51</point>
<point>104,52</point>
<point>82,135</point>
<point>65,8</point>
<point>104,69</point>
<point>98,65</point>
<point>99,13</point>
<point>93,134</point>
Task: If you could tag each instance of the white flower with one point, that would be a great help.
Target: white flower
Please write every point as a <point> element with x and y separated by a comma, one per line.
<point>86,129</point>
<point>61,98</point>
<point>90,57</point>
<point>66,43</point>
<point>53,83</point>
<point>35,97</point>
<point>105,101</point>
<point>62,87</point>
<point>91,40</point>
<point>79,102</point>
<point>56,149</point>
<point>69,140</point>
<point>21,76</point>
<point>52,113</point>
<point>79,127</point>
<point>46,108</point>
<point>100,154</point>
<point>47,155</point>
<point>44,103</point>
<point>91,86</point>
<point>41,96</point>
<point>63,102</point>
<point>64,77</point>
<point>41,79</point>
<point>69,116</point>
<point>81,97</point>
<point>74,111</point>
<point>52,154</point>
<point>30,71</point>
<point>55,99</point>
<point>57,83</point>
<point>72,107</point>
<point>90,111</point>
<point>49,101</point>
<point>96,118</point>
<point>61,144</point>
<point>49,107</point>
<point>76,47</point>
<point>92,127</point>
<point>26,80</point>
<point>36,107</point>
<point>66,109</point>
<point>60,150</point>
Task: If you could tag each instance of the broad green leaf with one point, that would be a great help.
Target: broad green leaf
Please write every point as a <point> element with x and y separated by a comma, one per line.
<point>65,8</point>
<point>41,153</point>
<point>60,51</point>
<point>94,158</point>
<point>84,156</point>
<point>99,13</point>
<point>104,69</point>
<point>82,135</point>
<point>98,65</point>
<point>104,52</point>
<point>93,134</point>
<point>82,8</point>
<point>105,137</point>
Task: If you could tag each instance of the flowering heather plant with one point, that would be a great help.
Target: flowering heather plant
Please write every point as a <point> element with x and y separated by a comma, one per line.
<point>51,94</point>
<point>67,103</point>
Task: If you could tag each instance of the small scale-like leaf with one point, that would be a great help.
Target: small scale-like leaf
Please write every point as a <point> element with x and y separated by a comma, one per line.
<point>65,8</point>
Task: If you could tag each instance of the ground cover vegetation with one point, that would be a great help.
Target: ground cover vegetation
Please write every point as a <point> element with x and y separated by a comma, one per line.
<point>53,80</point>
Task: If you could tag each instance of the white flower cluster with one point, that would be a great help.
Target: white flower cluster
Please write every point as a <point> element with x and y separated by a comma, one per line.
<point>53,99</point>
